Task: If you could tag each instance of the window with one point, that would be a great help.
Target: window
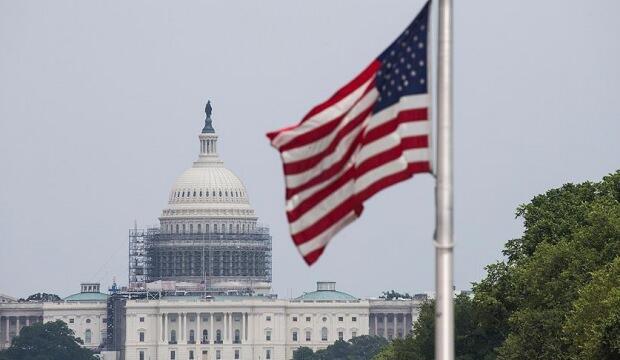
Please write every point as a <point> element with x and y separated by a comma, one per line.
<point>294,335</point>
<point>205,336</point>
<point>237,336</point>
<point>194,192</point>
<point>173,355</point>
<point>192,337</point>
<point>141,318</point>
<point>71,321</point>
<point>88,321</point>
<point>236,354</point>
<point>191,355</point>
<point>173,336</point>
<point>230,228</point>
<point>183,228</point>
<point>218,354</point>
<point>340,318</point>
<point>104,320</point>
<point>191,228</point>
<point>218,336</point>
<point>268,318</point>
<point>177,228</point>
<point>199,228</point>
<point>324,319</point>
<point>308,335</point>
<point>88,336</point>
<point>324,334</point>
<point>141,336</point>
<point>215,228</point>
<point>200,193</point>
<point>340,335</point>
<point>267,354</point>
<point>268,335</point>
<point>353,334</point>
<point>354,318</point>
<point>141,355</point>
<point>308,318</point>
<point>205,354</point>
<point>295,318</point>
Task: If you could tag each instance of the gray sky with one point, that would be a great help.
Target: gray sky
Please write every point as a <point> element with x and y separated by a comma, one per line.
<point>101,103</point>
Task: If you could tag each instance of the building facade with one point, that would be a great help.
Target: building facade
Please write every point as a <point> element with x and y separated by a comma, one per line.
<point>215,327</point>
<point>209,234</point>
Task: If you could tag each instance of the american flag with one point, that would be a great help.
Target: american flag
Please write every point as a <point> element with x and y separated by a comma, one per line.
<point>372,133</point>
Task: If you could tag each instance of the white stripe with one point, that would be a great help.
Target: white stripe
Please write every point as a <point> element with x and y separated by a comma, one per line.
<point>323,239</point>
<point>306,151</point>
<point>391,168</point>
<point>322,208</point>
<point>405,103</point>
<point>367,151</point>
<point>387,114</point>
<point>326,115</point>
<point>392,139</point>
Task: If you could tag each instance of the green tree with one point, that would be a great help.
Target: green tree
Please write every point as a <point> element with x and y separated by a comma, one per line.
<point>393,295</point>
<point>49,341</point>
<point>303,353</point>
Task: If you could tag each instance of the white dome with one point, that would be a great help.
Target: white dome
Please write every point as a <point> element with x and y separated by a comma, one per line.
<point>207,189</point>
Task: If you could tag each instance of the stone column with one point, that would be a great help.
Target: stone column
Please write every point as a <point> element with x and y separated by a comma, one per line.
<point>231,325</point>
<point>17,325</point>
<point>165,328</point>
<point>6,335</point>
<point>242,335</point>
<point>182,328</point>
<point>198,335</point>
<point>395,323</point>
<point>212,323</point>
<point>376,327</point>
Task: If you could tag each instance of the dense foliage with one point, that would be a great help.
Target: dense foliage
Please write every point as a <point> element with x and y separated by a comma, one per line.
<point>557,294</point>
<point>42,297</point>
<point>394,295</point>
<point>359,348</point>
<point>49,341</point>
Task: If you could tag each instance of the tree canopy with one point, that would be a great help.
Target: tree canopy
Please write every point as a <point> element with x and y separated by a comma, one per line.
<point>363,347</point>
<point>48,341</point>
<point>555,296</point>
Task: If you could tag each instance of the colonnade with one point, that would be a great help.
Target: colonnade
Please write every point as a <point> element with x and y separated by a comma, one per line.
<point>182,323</point>
<point>10,326</point>
<point>393,324</point>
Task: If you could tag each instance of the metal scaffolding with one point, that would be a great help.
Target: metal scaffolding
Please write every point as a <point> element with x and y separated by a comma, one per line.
<point>205,258</point>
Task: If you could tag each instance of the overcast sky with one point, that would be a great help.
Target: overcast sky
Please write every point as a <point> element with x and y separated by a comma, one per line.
<point>101,103</point>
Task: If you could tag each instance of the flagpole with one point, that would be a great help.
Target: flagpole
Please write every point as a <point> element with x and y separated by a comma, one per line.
<point>444,306</point>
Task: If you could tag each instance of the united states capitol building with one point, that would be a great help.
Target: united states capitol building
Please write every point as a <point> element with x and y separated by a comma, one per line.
<point>200,286</point>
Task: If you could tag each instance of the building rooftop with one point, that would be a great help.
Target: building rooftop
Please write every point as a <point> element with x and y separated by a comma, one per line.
<point>89,296</point>
<point>326,291</point>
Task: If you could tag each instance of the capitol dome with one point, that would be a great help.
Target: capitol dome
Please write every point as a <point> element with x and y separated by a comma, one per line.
<point>207,195</point>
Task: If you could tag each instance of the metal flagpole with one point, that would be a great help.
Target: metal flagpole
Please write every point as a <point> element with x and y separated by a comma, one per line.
<point>444,306</point>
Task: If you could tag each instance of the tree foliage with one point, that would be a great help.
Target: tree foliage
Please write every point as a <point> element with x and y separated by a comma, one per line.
<point>394,295</point>
<point>557,294</point>
<point>49,341</point>
<point>363,347</point>
<point>45,297</point>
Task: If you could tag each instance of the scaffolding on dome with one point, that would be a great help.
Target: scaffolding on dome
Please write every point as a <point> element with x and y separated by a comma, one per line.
<point>200,263</point>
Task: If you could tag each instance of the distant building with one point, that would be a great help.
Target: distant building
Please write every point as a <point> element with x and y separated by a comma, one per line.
<point>208,234</point>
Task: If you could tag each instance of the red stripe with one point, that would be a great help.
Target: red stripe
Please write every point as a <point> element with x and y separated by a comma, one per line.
<point>354,84</point>
<point>414,142</point>
<point>372,135</point>
<point>313,256</point>
<point>322,130</point>
<point>331,218</point>
<point>412,168</point>
<point>409,115</point>
<point>308,163</point>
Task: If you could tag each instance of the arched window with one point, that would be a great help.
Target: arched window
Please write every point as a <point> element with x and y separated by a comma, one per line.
<point>215,228</point>
<point>177,228</point>
<point>230,228</point>
<point>191,228</point>
<point>183,194</point>
<point>237,228</point>
<point>183,228</point>
<point>192,336</point>
<point>237,336</point>
<point>220,193</point>
<point>207,193</point>
<point>324,334</point>
<point>205,336</point>
<point>194,193</point>
<point>88,321</point>
<point>199,228</point>
<point>88,336</point>
<point>200,193</point>
<point>226,193</point>
<point>218,336</point>
<point>207,228</point>
<point>173,336</point>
